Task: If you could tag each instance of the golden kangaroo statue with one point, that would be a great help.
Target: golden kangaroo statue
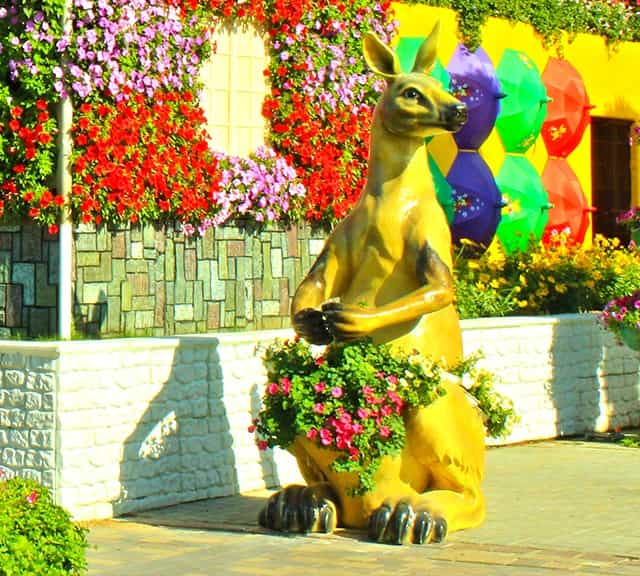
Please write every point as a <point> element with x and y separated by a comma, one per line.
<point>385,273</point>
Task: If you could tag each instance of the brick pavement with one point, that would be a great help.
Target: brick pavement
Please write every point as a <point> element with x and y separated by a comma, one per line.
<point>553,508</point>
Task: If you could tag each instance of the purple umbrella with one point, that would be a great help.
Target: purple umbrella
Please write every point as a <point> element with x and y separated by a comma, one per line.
<point>474,81</point>
<point>476,199</point>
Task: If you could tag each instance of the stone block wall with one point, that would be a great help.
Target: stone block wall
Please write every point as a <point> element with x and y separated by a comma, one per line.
<point>146,281</point>
<point>28,281</point>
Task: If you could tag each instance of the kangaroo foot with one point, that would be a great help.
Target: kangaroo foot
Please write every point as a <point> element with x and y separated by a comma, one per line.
<point>301,509</point>
<point>404,525</point>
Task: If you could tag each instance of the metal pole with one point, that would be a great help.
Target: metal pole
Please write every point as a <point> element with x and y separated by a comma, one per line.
<point>63,178</point>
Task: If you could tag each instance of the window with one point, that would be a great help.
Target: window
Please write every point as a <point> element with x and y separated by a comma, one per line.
<point>234,89</point>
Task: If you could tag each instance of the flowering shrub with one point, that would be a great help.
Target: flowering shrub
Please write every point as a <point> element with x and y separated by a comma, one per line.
<point>28,129</point>
<point>621,316</point>
<point>137,162</point>
<point>559,277</point>
<point>125,48</point>
<point>322,97</point>
<point>352,398</point>
<point>630,219</point>
<point>36,535</point>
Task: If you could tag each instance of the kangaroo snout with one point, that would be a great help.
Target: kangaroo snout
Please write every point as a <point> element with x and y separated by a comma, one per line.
<point>455,115</point>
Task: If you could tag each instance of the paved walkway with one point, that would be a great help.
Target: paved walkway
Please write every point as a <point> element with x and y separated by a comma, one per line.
<point>553,508</point>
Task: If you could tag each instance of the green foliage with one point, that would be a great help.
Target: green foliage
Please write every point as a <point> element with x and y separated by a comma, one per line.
<point>616,21</point>
<point>498,411</point>
<point>37,537</point>
<point>631,441</point>
<point>353,399</point>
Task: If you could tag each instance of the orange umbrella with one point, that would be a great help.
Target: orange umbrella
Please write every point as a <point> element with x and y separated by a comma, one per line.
<point>568,111</point>
<point>570,211</point>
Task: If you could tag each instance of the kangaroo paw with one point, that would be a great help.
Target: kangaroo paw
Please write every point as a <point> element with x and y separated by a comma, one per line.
<point>404,525</point>
<point>301,509</point>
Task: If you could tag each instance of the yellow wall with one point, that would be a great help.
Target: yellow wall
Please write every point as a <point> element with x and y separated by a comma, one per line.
<point>611,77</point>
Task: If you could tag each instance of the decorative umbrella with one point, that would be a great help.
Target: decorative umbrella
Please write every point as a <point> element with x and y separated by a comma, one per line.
<point>474,82</point>
<point>476,199</point>
<point>407,49</point>
<point>568,112</point>
<point>525,104</point>
<point>570,211</point>
<point>444,193</point>
<point>527,204</point>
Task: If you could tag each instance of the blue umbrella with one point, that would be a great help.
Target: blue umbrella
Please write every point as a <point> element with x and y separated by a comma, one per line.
<point>476,199</point>
<point>474,81</point>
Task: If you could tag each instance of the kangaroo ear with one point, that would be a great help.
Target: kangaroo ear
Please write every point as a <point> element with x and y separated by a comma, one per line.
<point>426,56</point>
<point>380,58</point>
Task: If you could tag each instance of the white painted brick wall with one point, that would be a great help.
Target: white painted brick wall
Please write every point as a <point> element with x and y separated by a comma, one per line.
<point>27,413</point>
<point>115,426</point>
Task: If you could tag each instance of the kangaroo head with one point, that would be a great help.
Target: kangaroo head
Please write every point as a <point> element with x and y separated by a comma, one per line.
<point>413,105</point>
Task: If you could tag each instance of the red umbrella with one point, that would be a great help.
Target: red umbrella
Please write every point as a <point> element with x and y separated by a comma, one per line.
<point>568,110</point>
<point>570,211</point>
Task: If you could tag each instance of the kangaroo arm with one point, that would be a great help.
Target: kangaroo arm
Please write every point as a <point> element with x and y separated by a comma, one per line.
<point>320,284</point>
<point>347,322</point>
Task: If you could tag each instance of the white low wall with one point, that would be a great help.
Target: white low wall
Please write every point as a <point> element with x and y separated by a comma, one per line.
<point>114,426</point>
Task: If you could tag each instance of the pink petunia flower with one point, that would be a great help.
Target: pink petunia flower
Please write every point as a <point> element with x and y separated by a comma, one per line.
<point>325,437</point>
<point>285,383</point>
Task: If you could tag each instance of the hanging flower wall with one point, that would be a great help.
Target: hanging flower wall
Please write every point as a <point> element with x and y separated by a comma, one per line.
<point>28,129</point>
<point>140,148</point>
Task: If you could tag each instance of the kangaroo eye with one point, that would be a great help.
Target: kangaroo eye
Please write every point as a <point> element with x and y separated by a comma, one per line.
<point>411,94</point>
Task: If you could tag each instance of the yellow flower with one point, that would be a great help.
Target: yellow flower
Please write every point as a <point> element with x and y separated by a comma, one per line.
<point>522,303</point>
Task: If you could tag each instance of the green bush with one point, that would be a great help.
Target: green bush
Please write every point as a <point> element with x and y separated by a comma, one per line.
<point>37,537</point>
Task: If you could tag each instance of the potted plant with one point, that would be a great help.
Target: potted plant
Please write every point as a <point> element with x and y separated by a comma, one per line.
<point>621,315</point>
<point>351,399</point>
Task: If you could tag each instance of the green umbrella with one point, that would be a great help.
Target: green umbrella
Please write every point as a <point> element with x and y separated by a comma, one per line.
<point>524,107</point>
<point>444,192</point>
<point>527,204</point>
<point>407,49</point>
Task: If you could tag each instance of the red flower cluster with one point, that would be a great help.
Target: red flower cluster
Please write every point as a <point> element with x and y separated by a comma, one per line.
<point>27,150</point>
<point>318,127</point>
<point>141,158</point>
<point>224,8</point>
